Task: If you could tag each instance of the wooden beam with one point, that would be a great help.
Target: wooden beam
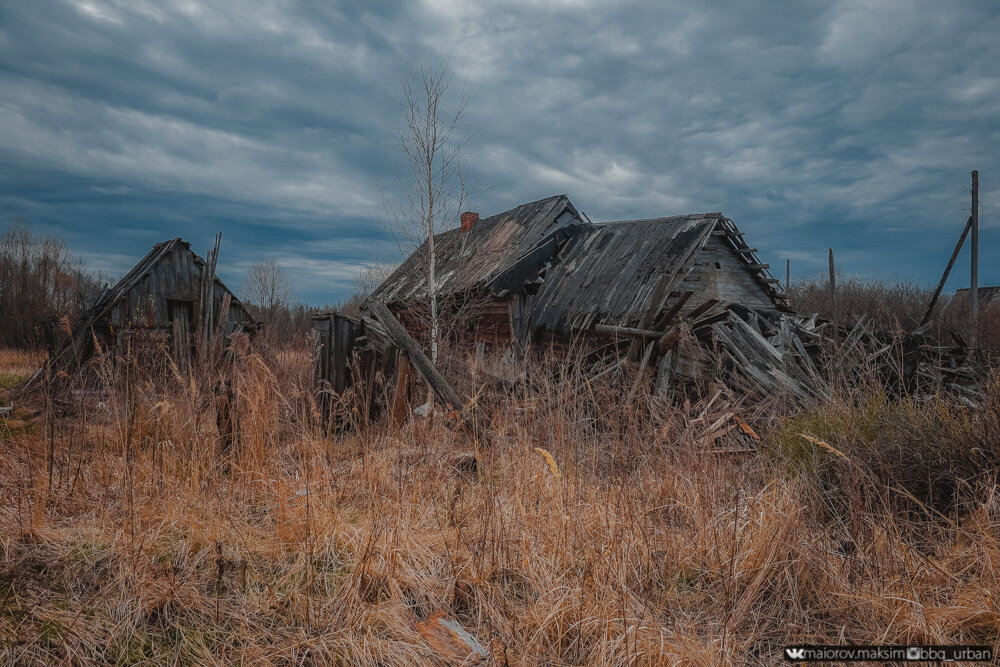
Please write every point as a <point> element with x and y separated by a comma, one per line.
<point>420,362</point>
<point>668,317</point>
<point>703,308</point>
<point>974,278</point>
<point>833,297</point>
<point>399,397</point>
<point>627,331</point>
<point>746,251</point>
<point>947,270</point>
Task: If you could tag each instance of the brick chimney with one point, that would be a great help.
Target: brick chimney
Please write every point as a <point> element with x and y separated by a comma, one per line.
<point>469,220</point>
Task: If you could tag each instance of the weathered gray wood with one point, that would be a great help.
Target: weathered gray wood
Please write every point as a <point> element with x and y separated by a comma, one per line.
<point>668,316</point>
<point>627,331</point>
<point>703,308</point>
<point>664,373</point>
<point>420,362</point>
<point>169,273</point>
<point>974,278</point>
<point>399,396</point>
<point>833,297</point>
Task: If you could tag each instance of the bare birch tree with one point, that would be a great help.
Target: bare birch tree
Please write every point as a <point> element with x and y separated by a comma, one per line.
<point>266,287</point>
<point>429,177</point>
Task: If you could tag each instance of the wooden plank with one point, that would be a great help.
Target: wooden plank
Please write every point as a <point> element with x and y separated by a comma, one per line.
<point>668,317</point>
<point>947,270</point>
<point>420,362</point>
<point>703,308</point>
<point>399,397</point>
<point>627,331</point>
<point>664,372</point>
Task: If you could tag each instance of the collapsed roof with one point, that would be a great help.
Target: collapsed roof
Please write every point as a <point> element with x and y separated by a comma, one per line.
<point>572,273</point>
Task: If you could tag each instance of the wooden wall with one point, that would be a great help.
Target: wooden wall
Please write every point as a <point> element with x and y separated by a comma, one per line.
<point>176,277</point>
<point>719,274</point>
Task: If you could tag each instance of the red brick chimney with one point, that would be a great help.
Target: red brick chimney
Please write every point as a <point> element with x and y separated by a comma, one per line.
<point>469,219</point>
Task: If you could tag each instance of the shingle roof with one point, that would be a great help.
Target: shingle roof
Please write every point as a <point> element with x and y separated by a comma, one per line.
<point>574,273</point>
<point>616,272</point>
<point>471,260</point>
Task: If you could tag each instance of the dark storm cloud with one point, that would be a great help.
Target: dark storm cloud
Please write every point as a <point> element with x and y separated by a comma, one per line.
<point>851,124</point>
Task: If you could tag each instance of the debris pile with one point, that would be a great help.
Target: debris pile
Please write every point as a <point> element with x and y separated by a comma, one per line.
<point>768,353</point>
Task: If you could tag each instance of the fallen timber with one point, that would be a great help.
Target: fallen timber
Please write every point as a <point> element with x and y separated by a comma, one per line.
<point>751,354</point>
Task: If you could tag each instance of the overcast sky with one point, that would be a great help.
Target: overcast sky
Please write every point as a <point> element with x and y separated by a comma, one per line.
<point>852,124</point>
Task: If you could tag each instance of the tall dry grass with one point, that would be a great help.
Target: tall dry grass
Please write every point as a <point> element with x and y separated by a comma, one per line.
<point>597,527</point>
<point>891,306</point>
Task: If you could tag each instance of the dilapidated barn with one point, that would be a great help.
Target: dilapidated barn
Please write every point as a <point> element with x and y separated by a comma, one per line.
<point>166,300</point>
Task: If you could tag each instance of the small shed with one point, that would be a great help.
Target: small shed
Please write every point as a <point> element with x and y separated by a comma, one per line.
<point>169,296</point>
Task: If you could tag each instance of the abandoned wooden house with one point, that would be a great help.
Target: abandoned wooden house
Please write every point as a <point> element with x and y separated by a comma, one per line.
<point>542,278</point>
<point>164,301</point>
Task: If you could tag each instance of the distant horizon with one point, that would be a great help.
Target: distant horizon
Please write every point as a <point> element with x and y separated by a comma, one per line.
<point>817,275</point>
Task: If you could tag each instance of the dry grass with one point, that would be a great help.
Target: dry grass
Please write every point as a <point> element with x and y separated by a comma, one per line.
<point>18,365</point>
<point>900,305</point>
<point>592,531</point>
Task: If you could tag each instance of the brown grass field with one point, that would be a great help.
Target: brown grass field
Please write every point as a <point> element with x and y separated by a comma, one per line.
<point>599,526</point>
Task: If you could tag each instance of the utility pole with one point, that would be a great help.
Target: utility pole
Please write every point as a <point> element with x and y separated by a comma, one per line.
<point>833,298</point>
<point>974,282</point>
<point>788,273</point>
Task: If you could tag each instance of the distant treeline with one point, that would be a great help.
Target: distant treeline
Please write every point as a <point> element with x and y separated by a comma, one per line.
<point>39,282</point>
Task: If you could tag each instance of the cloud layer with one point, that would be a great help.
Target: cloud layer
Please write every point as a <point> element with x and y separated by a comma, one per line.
<point>850,124</point>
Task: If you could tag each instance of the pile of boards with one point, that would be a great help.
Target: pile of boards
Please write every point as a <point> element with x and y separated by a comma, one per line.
<point>800,358</point>
<point>753,353</point>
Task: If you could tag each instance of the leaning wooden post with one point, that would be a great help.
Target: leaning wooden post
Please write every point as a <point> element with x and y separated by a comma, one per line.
<point>944,277</point>
<point>974,278</point>
<point>399,396</point>
<point>788,275</point>
<point>833,298</point>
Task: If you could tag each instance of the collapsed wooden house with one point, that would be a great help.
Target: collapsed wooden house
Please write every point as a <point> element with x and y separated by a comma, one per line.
<point>542,278</point>
<point>168,298</point>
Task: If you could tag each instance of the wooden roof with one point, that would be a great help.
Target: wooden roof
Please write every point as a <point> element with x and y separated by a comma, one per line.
<point>470,260</point>
<point>112,295</point>
<point>574,273</point>
<point>616,272</point>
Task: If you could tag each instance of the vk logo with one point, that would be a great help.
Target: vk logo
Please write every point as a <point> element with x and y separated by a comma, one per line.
<point>795,653</point>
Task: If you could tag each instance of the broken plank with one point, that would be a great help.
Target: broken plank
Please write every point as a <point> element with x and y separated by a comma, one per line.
<point>420,362</point>
<point>627,331</point>
<point>703,308</point>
